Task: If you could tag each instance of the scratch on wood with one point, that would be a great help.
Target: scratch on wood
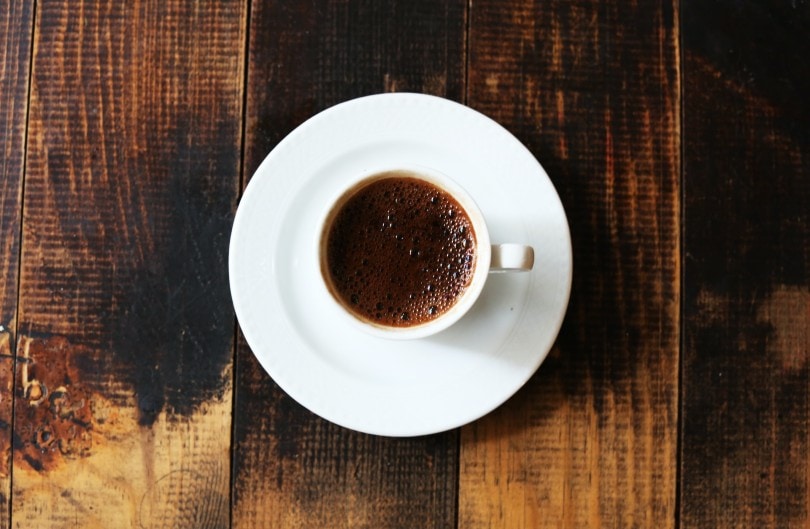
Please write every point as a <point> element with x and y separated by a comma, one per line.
<point>56,415</point>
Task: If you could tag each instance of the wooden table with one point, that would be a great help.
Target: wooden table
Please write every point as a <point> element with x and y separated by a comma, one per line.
<point>678,136</point>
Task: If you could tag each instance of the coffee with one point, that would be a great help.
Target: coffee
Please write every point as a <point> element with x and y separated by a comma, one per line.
<point>398,250</point>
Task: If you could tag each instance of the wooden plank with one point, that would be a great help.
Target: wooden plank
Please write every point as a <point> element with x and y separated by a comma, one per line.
<point>746,376</point>
<point>126,326</point>
<point>292,469</point>
<point>592,88</point>
<point>16,30</point>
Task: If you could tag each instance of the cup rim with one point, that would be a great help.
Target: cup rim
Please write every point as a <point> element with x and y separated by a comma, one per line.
<point>482,261</point>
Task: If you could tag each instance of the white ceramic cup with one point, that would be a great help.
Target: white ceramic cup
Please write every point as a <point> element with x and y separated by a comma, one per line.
<point>508,257</point>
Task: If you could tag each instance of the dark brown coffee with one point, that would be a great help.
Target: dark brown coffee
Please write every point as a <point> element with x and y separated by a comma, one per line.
<point>399,251</point>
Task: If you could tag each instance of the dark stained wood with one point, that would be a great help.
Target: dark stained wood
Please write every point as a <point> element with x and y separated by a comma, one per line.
<point>125,322</point>
<point>746,344</point>
<point>592,88</point>
<point>16,30</point>
<point>291,468</point>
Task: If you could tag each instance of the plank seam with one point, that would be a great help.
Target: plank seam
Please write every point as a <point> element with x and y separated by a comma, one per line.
<point>241,184</point>
<point>15,337</point>
<point>676,522</point>
<point>465,92</point>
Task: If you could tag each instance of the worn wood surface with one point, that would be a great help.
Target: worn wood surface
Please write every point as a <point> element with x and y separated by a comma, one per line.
<point>125,323</point>
<point>676,396</point>
<point>593,90</point>
<point>746,376</point>
<point>16,30</point>
<point>291,468</point>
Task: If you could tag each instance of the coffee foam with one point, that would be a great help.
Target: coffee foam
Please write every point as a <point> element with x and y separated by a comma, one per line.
<point>400,251</point>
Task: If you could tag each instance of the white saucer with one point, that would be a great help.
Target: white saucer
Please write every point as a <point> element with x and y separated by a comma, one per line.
<point>374,385</point>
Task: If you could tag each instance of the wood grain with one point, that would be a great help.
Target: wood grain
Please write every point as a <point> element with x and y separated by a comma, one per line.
<point>291,468</point>
<point>126,327</point>
<point>16,30</point>
<point>592,88</point>
<point>746,376</point>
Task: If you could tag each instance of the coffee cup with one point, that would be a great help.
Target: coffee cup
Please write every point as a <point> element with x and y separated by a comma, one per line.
<point>405,252</point>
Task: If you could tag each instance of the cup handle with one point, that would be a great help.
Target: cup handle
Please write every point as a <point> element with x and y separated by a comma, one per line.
<point>511,258</point>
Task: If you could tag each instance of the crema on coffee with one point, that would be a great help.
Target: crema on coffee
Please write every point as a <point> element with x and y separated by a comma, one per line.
<point>398,250</point>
